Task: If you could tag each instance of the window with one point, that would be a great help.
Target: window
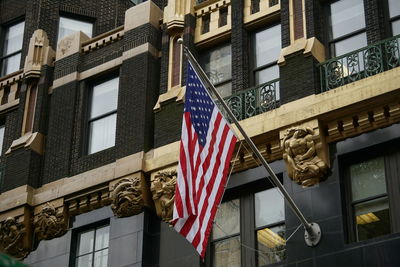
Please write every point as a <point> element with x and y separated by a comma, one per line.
<point>347,26</point>
<point>266,47</point>
<point>223,16</point>
<point>2,129</point>
<point>394,13</point>
<point>92,247</point>
<point>67,26</point>
<point>267,229</point>
<point>11,57</point>
<point>30,107</point>
<point>176,62</point>
<point>103,115</point>
<point>226,235</point>
<point>205,23</point>
<point>217,65</point>
<point>371,186</point>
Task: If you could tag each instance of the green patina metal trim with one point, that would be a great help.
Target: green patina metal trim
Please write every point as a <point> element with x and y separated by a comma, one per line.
<point>7,261</point>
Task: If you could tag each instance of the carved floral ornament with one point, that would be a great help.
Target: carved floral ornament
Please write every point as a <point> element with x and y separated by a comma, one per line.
<point>49,224</point>
<point>163,191</point>
<point>127,199</point>
<point>304,165</point>
<point>12,238</point>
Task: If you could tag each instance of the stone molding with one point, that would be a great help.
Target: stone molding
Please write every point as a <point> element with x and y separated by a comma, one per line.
<point>163,192</point>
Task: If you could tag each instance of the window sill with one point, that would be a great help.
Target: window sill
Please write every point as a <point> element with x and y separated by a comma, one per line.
<point>176,93</point>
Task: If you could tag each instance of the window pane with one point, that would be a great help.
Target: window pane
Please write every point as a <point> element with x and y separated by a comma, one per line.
<point>372,218</point>
<point>102,133</point>
<point>227,220</point>
<point>267,45</point>
<point>104,98</point>
<point>227,253</point>
<point>394,8</point>
<point>10,64</point>
<point>271,245</point>
<point>85,244</point>
<point>13,38</point>
<point>347,16</point>
<point>267,75</point>
<point>217,64</point>
<point>368,178</point>
<point>350,44</point>
<point>225,89</point>
<point>396,27</point>
<point>68,26</point>
<point>2,129</point>
<point>102,237</point>
<point>84,261</point>
<point>100,258</point>
<point>269,207</point>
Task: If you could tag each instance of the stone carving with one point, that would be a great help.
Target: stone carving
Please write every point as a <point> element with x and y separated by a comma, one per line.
<point>11,238</point>
<point>49,223</point>
<point>65,44</point>
<point>163,191</point>
<point>304,165</point>
<point>127,199</point>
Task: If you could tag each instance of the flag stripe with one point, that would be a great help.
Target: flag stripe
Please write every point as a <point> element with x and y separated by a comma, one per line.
<point>207,144</point>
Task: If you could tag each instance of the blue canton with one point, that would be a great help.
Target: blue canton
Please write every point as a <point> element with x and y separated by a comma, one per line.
<point>199,104</point>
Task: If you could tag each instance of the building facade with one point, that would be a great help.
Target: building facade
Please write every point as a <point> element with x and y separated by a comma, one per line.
<point>92,96</point>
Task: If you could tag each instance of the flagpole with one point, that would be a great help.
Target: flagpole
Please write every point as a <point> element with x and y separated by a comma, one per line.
<point>313,232</point>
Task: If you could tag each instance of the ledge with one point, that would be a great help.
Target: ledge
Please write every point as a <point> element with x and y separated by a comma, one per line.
<point>309,47</point>
<point>176,93</point>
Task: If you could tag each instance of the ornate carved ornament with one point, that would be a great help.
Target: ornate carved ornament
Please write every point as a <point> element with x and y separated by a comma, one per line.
<point>50,223</point>
<point>304,165</point>
<point>12,235</point>
<point>163,191</point>
<point>127,199</point>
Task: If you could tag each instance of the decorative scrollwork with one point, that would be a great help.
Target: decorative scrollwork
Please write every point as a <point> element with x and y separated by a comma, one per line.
<point>127,199</point>
<point>11,238</point>
<point>163,191</point>
<point>49,223</point>
<point>235,104</point>
<point>392,51</point>
<point>268,99</point>
<point>373,61</point>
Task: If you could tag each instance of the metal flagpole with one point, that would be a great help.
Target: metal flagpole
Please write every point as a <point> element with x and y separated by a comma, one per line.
<point>312,233</point>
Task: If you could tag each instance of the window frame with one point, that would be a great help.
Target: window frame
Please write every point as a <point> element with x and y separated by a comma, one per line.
<point>389,20</point>
<point>331,51</point>
<point>248,230</point>
<point>391,158</point>
<point>3,31</point>
<point>254,69</point>
<point>75,239</point>
<point>88,100</point>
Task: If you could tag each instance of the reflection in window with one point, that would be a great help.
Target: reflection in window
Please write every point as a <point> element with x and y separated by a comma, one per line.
<point>270,227</point>
<point>347,23</point>
<point>226,235</point>
<point>223,16</point>
<point>217,65</point>
<point>103,115</point>
<point>11,56</point>
<point>68,26</point>
<point>369,197</point>
<point>394,14</point>
<point>176,62</point>
<point>2,130</point>
<point>92,248</point>
<point>205,25</point>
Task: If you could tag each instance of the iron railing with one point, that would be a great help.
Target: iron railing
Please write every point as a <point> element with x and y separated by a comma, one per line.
<point>360,64</point>
<point>254,101</point>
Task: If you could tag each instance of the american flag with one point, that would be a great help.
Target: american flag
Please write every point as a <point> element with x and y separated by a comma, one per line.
<point>206,148</point>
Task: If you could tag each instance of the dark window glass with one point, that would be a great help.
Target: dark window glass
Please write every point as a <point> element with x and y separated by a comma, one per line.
<point>347,31</point>
<point>176,63</point>
<point>217,65</point>
<point>226,239</point>
<point>205,26</point>
<point>270,227</point>
<point>2,129</point>
<point>103,115</point>
<point>223,16</point>
<point>255,6</point>
<point>370,203</point>
<point>92,248</point>
<point>68,26</point>
<point>11,57</point>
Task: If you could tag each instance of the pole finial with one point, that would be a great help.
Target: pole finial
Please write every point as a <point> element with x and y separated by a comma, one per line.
<point>180,41</point>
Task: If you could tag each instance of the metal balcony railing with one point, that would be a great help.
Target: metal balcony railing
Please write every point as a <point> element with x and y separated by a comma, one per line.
<point>360,64</point>
<point>254,101</point>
